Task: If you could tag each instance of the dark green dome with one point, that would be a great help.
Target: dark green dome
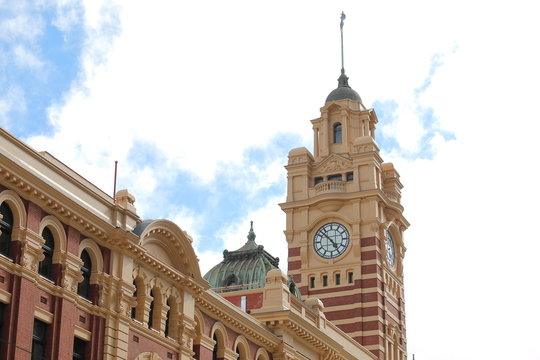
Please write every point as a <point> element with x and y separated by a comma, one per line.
<point>343,91</point>
<point>244,268</point>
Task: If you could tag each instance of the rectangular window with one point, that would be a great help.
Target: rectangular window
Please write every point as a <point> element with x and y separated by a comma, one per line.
<point>79,349</point>
<point>39,340</point>
<point>350,275</point>
<point>338,279</point>
<point>2,317</point>
<point>312,282</point>
<point>335,177</point>
<point>325,280</point>
<point>243,303</point>
<point>318,180</point>
<point>350,176</point>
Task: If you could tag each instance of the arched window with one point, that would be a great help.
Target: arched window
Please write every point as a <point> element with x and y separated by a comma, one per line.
<point>45,266</point>
<point>84,286</point>
<point>241,351</point>
<point>134,309</point>
<point>337,133</point>
<point>151,312</point>
<point>167,319</point>
<point>215,351</point>
<point>6,225</point>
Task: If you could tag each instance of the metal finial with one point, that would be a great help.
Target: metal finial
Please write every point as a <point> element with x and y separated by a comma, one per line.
<point>341,28</point>
<point>251,236</point>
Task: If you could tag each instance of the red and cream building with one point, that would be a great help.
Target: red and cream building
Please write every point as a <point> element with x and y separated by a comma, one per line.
<point>83,277</point>
<point>345,225</point>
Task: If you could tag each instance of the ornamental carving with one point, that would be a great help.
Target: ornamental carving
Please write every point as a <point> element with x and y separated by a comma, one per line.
<point>29,262</point>
<point>298,159</point>
<point>334,164</point>
<point>363,148</point>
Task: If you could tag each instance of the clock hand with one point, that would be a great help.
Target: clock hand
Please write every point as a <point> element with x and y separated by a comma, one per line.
<point>332,241</point>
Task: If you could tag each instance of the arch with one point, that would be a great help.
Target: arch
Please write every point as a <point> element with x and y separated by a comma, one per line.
<point>95,256</point>
<point>48,247</point>
<point>219,334</point>
<point>199,323</point>
<point>60,238</point>
<point>165,236</point>
<point>337,132</point>
<point>241,347</point>
<point>173,313</point>
<point>199,331</point>
<point>6,228</point>
<point>137,312</point>
<point>83,288</point>
<point>17,207</point>
<point>262,354</point>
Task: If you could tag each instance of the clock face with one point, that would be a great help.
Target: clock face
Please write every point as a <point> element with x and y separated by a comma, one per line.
<point>390,251</point>
<point>331,240</point>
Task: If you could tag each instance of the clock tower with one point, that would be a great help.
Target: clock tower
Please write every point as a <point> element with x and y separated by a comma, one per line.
<point>345,225</point>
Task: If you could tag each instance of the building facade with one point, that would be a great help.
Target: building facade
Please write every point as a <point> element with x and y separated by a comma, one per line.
<point>82,276</point>
<point>345,225</point>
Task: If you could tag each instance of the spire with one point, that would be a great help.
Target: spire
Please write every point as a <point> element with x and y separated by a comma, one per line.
<point>341,28</point>
<point>343,91</point>
<point>251,235</point>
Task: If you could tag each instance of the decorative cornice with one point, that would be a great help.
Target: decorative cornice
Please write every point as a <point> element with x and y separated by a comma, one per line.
<point>73,217</point>
<point>231,321</point>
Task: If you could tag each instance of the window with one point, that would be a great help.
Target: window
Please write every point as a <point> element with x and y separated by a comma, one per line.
<point>134,309</point>
<point>2,320</point>
<point>350,176</point>
<point>167,319</point>
<point>84,286</point>
<point>39,340</point>
<point>45,266</point>
<point>243,303</point>
<point>335,177</point>
<point>79,349</point>
<point>6,225</point>
<point>312,282</point>
<point>350,276</point>
<point>214,352</point>
<point>325,280</point>
<point>338,279</point>
<point>151,312</point>
<point>337,133</point>
<point>318,180</point>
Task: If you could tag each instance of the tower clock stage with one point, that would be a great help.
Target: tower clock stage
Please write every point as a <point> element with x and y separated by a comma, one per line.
<point>345,225</point>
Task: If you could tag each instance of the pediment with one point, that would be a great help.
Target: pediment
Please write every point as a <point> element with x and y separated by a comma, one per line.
<point>333,163</point>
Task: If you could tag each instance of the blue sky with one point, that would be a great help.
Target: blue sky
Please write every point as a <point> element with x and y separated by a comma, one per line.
<point>201,102</point>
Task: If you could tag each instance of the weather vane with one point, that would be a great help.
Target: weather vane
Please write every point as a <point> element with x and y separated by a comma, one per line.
<point>341,28</point>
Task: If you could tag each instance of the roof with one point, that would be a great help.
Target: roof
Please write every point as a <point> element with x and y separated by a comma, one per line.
<point>245,268</point>
<point>343,91</point>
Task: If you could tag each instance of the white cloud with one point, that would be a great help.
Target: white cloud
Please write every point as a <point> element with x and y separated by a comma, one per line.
<point>25,58</point>
<point>12,100</point>
<point>268,225</point>
<point>21,26</point>
<point>204,83</point>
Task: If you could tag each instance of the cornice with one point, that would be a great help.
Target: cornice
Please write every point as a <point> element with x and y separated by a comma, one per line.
<point>232,317</point>
<point>71,213</point>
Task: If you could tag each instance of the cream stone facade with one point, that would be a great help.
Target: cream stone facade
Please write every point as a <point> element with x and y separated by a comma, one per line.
<point>83,277</point>
<point>345,226</point>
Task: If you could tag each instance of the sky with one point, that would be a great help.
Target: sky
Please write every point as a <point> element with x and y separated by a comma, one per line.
<point>201,101</point>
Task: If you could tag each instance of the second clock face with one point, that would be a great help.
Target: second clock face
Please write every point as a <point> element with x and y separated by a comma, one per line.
<point>390,250</point>
<point>331,240</point>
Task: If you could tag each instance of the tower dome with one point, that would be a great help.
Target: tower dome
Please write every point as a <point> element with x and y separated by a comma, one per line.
<point>244,268</point>
<point>343,91</point>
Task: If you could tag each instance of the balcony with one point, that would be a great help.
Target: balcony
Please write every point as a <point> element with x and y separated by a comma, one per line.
<point>329,187</point>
